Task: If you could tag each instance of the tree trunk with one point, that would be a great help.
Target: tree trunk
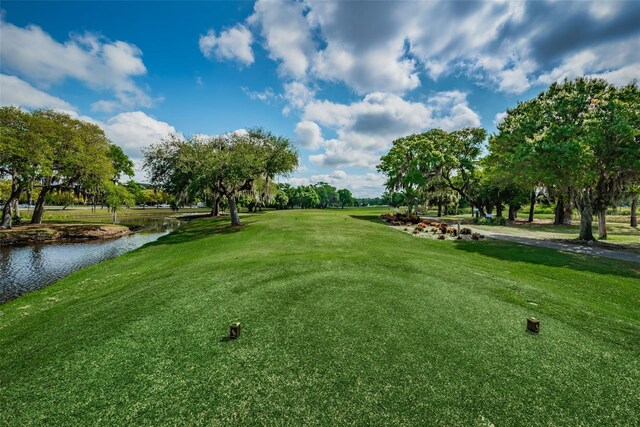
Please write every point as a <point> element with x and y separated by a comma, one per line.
<point>586,228</point>
<point>439,210</point>
<point>38,210</point>
<point>215,211</point>
<point>6,211</point>
<point>634,208</point>
<point>233,210</point>
<point>602,224</point>
<point>558,218</point>
<point>512,213</point>
<point>568,213</point>
<point>16,207</point>
<point>114,216</point>
<point>499,208</point>
<point>532,205</point>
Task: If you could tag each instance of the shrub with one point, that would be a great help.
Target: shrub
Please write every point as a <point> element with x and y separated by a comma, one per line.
<point>477,236</point>
<point>452,231</point>
<point>412,219</point>
<point>389,217</point>
<point>499,220</point>
<point>465,230</point>
<point>490,221</point>
<point>441,237</point>
<point>459,237</point>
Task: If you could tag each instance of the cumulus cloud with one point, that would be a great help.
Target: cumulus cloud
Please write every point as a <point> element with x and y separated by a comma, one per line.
<point>393,46</point>
<point>499,117</point>
<point>286,33</point>
<point>17,92</point>
<point>99,63</point>
<point>366,128</point>
<point>297,95</point>
<point>135,130</point>
<point>619,65</point>
<point>232,44</point>
<point>308,135</point>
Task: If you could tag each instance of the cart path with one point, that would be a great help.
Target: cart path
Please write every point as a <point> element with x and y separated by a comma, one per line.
<point>577,248</point>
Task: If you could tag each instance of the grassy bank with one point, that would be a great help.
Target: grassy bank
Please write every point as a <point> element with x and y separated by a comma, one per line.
<point>346,321</point>
<point>103,215</point>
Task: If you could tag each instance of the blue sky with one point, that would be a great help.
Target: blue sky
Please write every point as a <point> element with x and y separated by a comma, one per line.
<point>341,79</point>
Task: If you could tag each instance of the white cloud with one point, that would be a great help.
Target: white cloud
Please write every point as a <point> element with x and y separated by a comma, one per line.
<point>308,135</point>
<point>297,95</point>
<point>387,46</point>
<point>104,106</point>
<point>339,153</point>
<point>232,44</point>
<point>14,91</point>
<point>265,96</point>
<point>365,129</point>
<point>93,60</point>
<point>499,117</point>
<point>135,130</point>
<point>618,64</point>
<point>287,34</point>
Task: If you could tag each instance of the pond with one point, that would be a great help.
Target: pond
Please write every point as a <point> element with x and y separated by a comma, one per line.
<point>27,268</point>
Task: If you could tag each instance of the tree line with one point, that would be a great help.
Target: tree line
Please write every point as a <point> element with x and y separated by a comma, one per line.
<point>577,143</point>
<point>43,152</point>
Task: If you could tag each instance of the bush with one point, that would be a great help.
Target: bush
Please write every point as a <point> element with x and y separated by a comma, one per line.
<point>465,230</point>
<point>441,237</point>
<point>412,219</point>
<point>477,236</point>
<point>500,220</point>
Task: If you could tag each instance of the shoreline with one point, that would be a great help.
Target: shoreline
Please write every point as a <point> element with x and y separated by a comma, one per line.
<point>60,233</point>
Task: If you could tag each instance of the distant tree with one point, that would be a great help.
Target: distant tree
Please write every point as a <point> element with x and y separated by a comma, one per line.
<point>307,197</point>
<point>281,199</point>
<point>136,191</point>
<point>327,194</point>
<point>346,198</point>
<point>117,196</point>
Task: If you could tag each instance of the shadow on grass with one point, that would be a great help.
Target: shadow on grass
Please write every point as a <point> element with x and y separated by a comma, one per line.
<point>197,229</point>
<point>370,218</point>
<point>515,252</point>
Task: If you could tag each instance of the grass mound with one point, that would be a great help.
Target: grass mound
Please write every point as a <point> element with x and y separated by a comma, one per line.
<point>344,321</point>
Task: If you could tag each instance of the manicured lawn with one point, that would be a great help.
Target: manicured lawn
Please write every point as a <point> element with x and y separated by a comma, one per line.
<point>345,321</point>
<point>102,215</point>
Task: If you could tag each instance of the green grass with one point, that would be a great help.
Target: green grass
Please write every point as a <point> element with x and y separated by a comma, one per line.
<point>86,214</point>
<point>345,321</point>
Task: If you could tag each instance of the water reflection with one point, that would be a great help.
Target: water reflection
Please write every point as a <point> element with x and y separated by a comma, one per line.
<point>27,268</point>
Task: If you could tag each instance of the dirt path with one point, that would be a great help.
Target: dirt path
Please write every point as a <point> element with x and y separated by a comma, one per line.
<point>577,248</point>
